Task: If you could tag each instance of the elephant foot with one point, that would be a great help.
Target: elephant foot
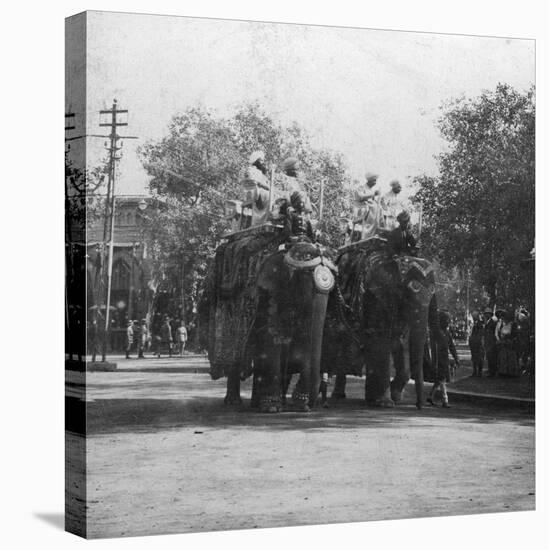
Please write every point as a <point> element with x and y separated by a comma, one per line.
<point>419,404</point>
<point>301,401</point>
<point>396,396</point>
<point>233,401</point>
<point>338,395</point>
<point>270,405</point>
<point>386,403</point>
<point>271,409</point>
<point>380,403</point>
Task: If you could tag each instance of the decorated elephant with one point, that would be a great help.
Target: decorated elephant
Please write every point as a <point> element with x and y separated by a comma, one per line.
<point>265,315</point>
<point>383,300</point>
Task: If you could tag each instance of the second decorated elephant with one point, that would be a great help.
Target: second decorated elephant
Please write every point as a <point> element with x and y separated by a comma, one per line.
<point>385,299</point>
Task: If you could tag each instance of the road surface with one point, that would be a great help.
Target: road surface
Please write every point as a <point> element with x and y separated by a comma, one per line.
<point>165,456</point>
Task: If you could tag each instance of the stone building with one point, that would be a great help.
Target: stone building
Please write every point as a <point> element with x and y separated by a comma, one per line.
<point>131,294</point>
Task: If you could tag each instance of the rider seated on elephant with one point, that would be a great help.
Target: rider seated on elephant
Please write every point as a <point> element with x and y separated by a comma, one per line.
<point>400,239</point>
<point>297,224</point>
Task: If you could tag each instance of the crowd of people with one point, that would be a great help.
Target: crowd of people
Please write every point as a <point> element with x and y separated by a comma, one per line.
<point>168,338</point>
<point>504,340</point>
<point>501,339</point>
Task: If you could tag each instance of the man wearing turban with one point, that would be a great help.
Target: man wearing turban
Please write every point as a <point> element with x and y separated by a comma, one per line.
<point>366,208</point>
<point>392,204</point>
<point>256,187</point>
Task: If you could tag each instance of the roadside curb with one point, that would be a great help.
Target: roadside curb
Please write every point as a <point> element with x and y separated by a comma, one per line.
<point>525,404</point>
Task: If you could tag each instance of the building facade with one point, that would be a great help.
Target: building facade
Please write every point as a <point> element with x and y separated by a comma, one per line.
<point>131,294</point>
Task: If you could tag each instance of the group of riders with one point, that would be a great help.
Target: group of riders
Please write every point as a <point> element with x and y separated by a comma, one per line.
<point>372,215</point>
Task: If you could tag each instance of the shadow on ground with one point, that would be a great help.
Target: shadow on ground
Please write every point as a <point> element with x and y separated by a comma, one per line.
<point>55,520</point>
<point>138,415</point>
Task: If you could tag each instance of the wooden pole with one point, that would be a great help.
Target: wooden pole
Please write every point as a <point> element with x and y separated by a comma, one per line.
<point>420,220</point>
<point>321,205</point>
<point>271,183</point>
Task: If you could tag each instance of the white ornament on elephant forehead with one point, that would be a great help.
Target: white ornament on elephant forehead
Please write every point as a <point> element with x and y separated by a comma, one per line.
<point>324,279</point>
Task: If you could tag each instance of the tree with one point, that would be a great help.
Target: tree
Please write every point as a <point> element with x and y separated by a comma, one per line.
<point>479,213</point>
<point>199,164</point>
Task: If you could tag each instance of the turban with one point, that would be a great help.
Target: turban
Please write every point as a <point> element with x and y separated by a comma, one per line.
<point>403,217</point>
<point>256,155</point>
<point>291,163</point>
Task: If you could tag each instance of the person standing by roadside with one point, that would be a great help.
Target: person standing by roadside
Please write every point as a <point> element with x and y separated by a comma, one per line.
<point>506,336</point>
<point>144,338</point>
<point>442,345</point>
<point>129,339</point>
<point>490,341</point>
<point>137,337</point>
<point>92,338</point>
<point>476,344</point>
<point>182,338</point>
<point>523,339</point>
<point>166,339</point>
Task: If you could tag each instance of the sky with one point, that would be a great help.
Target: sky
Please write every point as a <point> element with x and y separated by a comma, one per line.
<point>372,95</point>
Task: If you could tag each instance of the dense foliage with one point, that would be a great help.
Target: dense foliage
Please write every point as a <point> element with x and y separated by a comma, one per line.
<point>199,164</point>
<point>479,212</point>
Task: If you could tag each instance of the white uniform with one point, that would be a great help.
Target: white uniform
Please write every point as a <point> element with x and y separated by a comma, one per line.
<point>367,213</point>
<point>256,186</point>
<point>392,204</point>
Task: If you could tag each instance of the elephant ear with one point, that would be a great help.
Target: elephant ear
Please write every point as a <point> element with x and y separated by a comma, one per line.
<point>272,273</point>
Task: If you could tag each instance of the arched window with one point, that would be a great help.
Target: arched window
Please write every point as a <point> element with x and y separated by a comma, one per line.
<point>120,275</point>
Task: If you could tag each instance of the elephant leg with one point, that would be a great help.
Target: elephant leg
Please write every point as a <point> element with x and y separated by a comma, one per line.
<point>269,380</point>
<point>300,395</point>
<point>418,336</point>
<point>401,373</point>
<point>320,303</point>
<point>339,386</point>
<point>286,377</point>
<point>378,376</point>
<point>232,396</point>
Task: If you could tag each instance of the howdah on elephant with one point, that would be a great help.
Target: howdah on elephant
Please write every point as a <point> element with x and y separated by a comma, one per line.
<point>385,299</point>
<point>265,316</point>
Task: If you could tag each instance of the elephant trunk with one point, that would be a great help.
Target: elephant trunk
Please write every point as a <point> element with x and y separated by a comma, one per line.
<point>320,302</point>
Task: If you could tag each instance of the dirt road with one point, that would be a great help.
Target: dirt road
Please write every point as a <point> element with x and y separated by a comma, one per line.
<point>164,456</point>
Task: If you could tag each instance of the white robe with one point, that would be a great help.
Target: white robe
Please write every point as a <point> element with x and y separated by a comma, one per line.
<point>392,204</point>
<point>256,186</point>
<point>367,213</point>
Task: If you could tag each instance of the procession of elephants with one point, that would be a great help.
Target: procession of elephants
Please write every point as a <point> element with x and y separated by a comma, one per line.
<point>277,303</point>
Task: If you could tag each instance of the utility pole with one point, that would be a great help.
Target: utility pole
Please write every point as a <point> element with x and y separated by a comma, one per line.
<point>467,298</point>
<point>112,146</point>
<point>321,201</point>
<point>69,125</point>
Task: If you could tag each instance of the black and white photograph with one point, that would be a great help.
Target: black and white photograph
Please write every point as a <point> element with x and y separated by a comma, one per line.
<point>296,299</point>
<point>300,274</point>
